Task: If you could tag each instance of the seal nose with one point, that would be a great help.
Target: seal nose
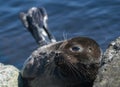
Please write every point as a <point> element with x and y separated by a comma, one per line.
<point>59,59</point>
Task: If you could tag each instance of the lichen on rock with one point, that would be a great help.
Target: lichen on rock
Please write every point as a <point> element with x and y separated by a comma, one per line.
<point>109,73</point>
<point>9,76</point>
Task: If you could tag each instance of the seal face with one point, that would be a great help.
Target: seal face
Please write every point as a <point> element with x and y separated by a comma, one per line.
<point>70,63</point>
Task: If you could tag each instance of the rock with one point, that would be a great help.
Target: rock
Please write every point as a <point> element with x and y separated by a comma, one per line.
<point>9,76</point>
<point>109,73</point>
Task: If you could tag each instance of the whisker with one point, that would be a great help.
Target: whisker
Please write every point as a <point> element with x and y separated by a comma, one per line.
<point>78,72</point>
<point>50,66</point>
<point>74,70</point>
<point>53,68</point>
<point>64,36</point>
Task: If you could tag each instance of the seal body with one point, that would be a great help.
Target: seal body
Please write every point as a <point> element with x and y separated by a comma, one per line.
<point>69,63</point>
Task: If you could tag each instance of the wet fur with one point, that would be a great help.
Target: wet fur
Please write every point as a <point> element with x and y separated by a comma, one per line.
<point>64,68</point>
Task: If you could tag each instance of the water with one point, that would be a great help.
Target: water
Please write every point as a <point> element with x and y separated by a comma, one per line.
<point>98,19</point>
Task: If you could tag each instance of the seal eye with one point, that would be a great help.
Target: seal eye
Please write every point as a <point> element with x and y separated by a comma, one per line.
<point>75,48</point>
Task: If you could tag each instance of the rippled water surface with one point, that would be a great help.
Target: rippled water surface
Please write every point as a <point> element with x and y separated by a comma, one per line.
<point>98,19</point>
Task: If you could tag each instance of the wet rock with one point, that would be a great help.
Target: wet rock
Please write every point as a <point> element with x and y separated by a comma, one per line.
<point>109,73</point>
<point>9,76</point>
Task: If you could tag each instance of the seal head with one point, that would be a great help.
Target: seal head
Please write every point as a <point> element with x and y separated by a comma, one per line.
<point>70,63</point>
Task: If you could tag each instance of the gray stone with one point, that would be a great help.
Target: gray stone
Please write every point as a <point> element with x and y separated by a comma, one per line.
<point>9,76</point>
<point>109,73</point>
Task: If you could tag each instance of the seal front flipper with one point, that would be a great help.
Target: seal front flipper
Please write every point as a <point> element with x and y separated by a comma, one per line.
<point>35,20</point>
<point>34,65</point>
<point>29,70</point>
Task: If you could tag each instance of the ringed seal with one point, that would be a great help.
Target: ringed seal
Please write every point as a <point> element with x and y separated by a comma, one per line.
<point>69,63</point>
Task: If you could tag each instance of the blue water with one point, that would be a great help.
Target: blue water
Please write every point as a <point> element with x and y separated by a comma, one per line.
<point>98,19</point>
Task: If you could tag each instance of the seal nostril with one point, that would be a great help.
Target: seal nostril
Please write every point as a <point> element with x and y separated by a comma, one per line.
<point>57,54</point>
<point>58,58</point>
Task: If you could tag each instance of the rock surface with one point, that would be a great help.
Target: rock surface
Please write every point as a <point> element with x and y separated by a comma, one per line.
<point>9,76</point>
<point>109,73</point>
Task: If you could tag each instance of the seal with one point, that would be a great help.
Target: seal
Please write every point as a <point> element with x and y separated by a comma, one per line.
<point>70,63</point>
